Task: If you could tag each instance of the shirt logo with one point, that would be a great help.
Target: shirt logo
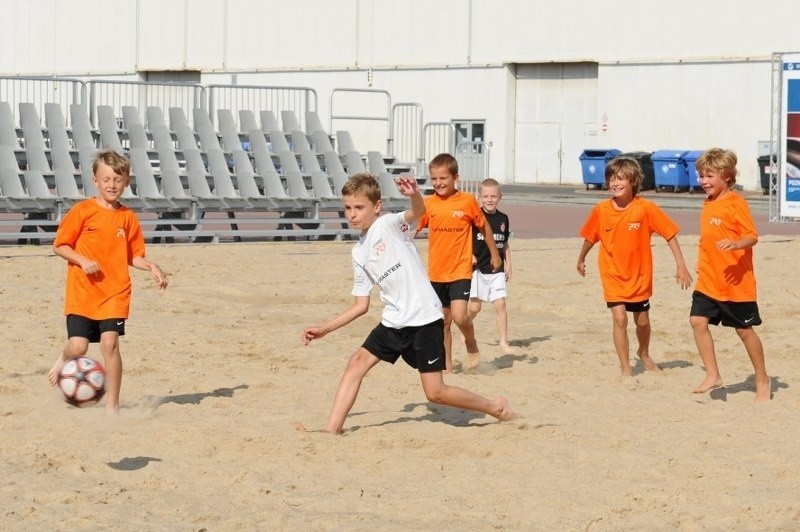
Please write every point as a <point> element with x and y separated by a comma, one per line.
<point>380,247</point>
<point>634,226</point>
<point>715,221</point>
<point>403,227</point>
<point>120,233</point>
<point>457,214</point>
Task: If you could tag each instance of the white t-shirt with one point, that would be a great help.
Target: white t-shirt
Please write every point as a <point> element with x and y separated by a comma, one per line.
<point>387,257</point>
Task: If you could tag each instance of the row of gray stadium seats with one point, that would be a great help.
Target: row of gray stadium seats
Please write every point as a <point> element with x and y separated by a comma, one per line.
<point>175,167</point>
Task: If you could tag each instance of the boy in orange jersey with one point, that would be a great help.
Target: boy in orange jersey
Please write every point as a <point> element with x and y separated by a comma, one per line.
<point>623,225</point>
<point>726,285</point>
<point>99,238</point>
<point>449,217</point>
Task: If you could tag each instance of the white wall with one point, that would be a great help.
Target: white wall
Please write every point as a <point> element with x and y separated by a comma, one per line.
<point>678,74</point>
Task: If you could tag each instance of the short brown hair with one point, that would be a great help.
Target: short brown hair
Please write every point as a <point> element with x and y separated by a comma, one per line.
<point>363,184</point>
<point>446,160</point>
<point>629,168</point>
<point>118,162</point>
<point>719,160</point>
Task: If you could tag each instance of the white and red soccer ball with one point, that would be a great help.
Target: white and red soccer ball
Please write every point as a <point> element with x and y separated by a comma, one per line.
<point>82,380</point>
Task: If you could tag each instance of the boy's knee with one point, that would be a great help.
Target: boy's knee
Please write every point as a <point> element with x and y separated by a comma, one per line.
<point>697,322</point>
<point>434,395</point>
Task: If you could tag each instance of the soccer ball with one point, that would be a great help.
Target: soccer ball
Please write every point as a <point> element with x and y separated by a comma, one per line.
<point>82,381</point>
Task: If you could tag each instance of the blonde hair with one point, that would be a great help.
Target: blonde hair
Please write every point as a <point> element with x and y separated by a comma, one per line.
<point>116,161</point>
<point>489,182</point>
<point>721,161</point>
<point>363,184</point>
<point>628,168</point>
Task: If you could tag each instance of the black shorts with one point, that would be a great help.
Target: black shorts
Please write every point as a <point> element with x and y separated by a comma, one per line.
<point>641,306</point>
<point>421,347</point>
<point>741,315</point>
<point>92,329</point>
<point>453,290</point>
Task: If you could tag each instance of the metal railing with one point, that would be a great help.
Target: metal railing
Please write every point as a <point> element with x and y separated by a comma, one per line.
<point>407,127</point>
<point>437,137</point>
<point>42,90</point>
<point>335,104</point>
<point>143,94</point>
<point>473,164</point>
<point>259,98</point>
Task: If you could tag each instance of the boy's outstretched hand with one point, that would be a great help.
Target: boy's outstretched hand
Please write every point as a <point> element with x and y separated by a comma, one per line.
<point>407,185</point>
<point>311,333</point>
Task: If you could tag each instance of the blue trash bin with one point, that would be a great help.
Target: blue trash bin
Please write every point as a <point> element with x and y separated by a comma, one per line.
<point>593,165</point>
<point>689,159</point>
<point>670,170</point>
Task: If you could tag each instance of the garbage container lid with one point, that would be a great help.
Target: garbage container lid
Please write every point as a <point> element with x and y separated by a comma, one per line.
<point>606,153</point>
<point>668,155</point>
<point>693,155</point>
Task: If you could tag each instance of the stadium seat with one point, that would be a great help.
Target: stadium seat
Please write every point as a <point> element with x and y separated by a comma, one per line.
<point>109,132</point>
<point>300,142</point>
<point>344,142</point>
<point>177,118</point>
<point>268,121</point>
<point>205,130</point>
<point>83,134</point>
<point>314,124</point>
<point>155,118</point>
<point>289,121</point>
<point>321,141</point>
<point>228,131</point>
<point>355,164</point>
<point>247,121</point>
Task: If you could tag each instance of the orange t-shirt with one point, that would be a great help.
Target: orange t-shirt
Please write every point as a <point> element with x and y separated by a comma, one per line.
<point>110,237</point>
<point>449,222</point>
<point>625,259</point>
<point>726,275</point>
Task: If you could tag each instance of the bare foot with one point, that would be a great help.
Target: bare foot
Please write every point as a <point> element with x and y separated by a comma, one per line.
<point>627,371</point>
<point>649,364</point>
<point>507,349</point>
<point>710,383</point>
<point>473,360</point>
<point>763,390</point>
<point>52,375</point>
<point>506,413</point>
<point>303,428</point>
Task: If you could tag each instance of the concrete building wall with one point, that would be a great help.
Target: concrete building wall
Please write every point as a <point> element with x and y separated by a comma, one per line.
<point>682,75</point>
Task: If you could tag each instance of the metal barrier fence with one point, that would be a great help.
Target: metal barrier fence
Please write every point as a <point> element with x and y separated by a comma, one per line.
<point>259,98</point>
<point>143,94</point>
<point>407,134</point>
<point>437,137</point>
<point>336,104</point>
<point>473,164</point>
<point>41,90</point>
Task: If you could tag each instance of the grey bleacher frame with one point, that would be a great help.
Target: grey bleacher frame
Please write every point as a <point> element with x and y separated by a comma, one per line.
<point>261,219</point>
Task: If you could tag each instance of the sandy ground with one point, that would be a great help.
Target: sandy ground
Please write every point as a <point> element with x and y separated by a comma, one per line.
<point>216,380</point>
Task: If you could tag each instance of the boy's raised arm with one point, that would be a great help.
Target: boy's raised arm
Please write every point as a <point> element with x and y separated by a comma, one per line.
<point>408,187</point>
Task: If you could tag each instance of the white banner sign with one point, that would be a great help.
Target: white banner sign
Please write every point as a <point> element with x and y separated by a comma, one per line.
<point>790,137</point>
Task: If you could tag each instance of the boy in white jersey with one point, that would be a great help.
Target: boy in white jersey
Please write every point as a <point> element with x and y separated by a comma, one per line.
<point>412,321</point>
